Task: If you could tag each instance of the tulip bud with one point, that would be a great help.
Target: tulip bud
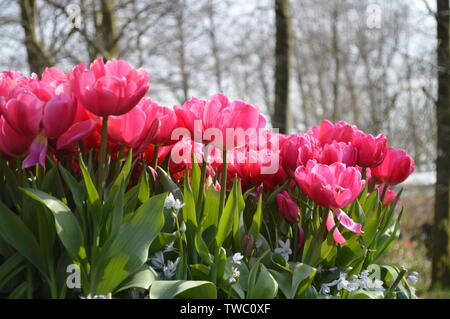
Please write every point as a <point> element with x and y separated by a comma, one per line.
<point>396,167</point>
<point>248,244</point>
<point>287,207</point>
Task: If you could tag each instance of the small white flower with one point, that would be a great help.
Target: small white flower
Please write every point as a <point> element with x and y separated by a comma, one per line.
<point>108,296</point>
<point>368,284</point>
<point>343,283</point>
<point>237,257</point>
<point>183,227</point>
<point>169,270</point>
<point>413,278</point>
<point>377,285</point>
<point>171,202</point>
<point>234,275</point>
<point>324,289</point>
<point>158,260</point>
<point>319,269</point>
<point>332,269</point>
<point>284,249</point>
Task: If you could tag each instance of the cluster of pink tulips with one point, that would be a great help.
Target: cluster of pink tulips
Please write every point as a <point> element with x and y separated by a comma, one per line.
<point>66,112</point>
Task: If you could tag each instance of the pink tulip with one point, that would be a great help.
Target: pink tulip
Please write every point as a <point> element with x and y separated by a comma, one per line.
<point>273,181</point>
<point>389,194</point>
<point>328,132</point>
<point>59,114</point>
<point>371,150</point>
<point>395,168</point>
<point>301,238</point>
<point>297,150</point>
<point>181,157</point>
<point>167,120</point>
<point>23,111</point>
<point>113,88</point>
<point>127,129</point>
<point>338,152</point>
<point>287,207</point>
<point>250,165</point>
<point>334,185</point>
<point>219,114</point>
<point>11,142</point>
<point>42,111</point>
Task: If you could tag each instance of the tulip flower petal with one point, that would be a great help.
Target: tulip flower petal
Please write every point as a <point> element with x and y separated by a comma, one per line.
<point>337,236</point>
<point>347,222</point>
<point>76,132</point>
<point>38,151</point>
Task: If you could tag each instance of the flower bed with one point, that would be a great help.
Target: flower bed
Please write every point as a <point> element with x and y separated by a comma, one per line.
<point>105,193</point>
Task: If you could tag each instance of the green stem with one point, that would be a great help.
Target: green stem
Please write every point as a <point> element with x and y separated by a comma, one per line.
<point>155,156</point>
<point>223,182</point>
<point>180,243</point>
<point>201,189</point>
<point>397,280</point>
<point>101,163</point>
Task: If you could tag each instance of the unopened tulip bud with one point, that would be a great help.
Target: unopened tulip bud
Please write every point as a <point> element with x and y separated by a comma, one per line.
<point>287,207</point>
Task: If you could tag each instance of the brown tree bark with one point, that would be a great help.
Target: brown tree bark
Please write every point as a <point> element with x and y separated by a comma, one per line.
<point>38,58</point>
<point>440,249</point>
<point>106,27</point>
<point>281,116</point>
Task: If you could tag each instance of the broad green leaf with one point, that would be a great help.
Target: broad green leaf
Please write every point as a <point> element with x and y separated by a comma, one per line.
<point>122,178</point>
<point>67,227</point>
<point>190,219</point>
<point>143,278</point>
<point>284,281</point>
<point>199,271</point>
<point>93,202</point>
<point>20,291</point>
<point>183,289</point>
<point>238,223</point>
<point>301,279</point>
<point>144,188</point>
<point>257,220</point>
<point>253,273</point>
<point>265,287</point>
<point>195,179</point>
<point>226,220</point>
<point>14,231</point>
<point>76,190</point>
<point>116,216</point>
<point>9,267</point>
<point>123,255</point>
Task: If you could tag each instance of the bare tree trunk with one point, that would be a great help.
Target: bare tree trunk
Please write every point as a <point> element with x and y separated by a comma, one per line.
<point>440,249</point>
<point>107,32</point>
<point>182,49</point>
<point>281,117</point>
<point>214,45</point>
<point>38,58</point>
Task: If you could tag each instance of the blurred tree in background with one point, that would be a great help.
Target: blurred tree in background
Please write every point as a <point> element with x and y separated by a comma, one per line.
<point>372,63</point>
<point>440,251</point>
